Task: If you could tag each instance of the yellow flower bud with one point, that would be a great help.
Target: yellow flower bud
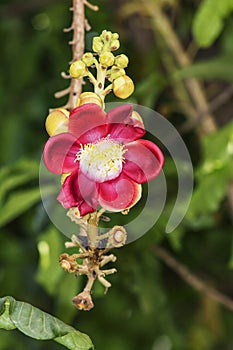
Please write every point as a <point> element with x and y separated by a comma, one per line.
<point>88,59</point>
<point>115,44</point>
<point>115,36</point>
<point>97,44</point>
<point>115,73</point>
<point>78,69</point>
<point>106,35</point>
<point>89,97</point>
<point>123,87</point>
<point>57,121</point>
<point>106,59</point>
<point>121,61</point>
<point>136,115</point>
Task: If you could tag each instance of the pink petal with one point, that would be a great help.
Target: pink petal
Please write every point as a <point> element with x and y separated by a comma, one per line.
<point>121,125</point>
<point>88,123</point>
<point>119,194</point>
<point>125,133</point>
<point>79,191</point>
<point>143,161</point>
<point>60,153</point>
<point>119,114</point>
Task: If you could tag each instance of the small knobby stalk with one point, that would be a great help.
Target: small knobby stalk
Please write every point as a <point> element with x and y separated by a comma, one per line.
<point>78,26</point>
<point>93,249</point>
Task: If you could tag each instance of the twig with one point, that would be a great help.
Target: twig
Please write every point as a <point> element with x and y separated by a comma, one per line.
<point>79,24</point>
<point>77,43</point>
<point>92,7</point>
<point>213,105</point>
<point>164,28</point>
<point>194,281</point>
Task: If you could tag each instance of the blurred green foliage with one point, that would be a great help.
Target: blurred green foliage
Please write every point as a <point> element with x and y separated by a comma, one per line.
<point>148,307</point>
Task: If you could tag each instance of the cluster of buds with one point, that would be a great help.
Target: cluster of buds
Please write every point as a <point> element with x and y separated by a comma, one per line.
<point>108,66</point>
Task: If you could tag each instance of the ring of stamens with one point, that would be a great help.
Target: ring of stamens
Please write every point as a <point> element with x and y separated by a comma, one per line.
<point>101,161</point>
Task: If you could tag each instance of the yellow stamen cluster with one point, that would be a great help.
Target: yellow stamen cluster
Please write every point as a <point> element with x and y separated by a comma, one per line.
<point>101,161</point>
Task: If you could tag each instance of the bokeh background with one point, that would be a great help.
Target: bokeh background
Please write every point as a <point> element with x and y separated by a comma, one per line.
<point>181,56</point>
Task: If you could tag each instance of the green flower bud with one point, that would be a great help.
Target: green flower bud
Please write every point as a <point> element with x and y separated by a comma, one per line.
<point>106,36</point>
<point>88,59</point>
<point>97,44</point>
<point>115,73</point>
<point>115,44</point>
<point>115,36</point>
<point>121,61</point>
<point>78,69</point>
<point>106,59</point>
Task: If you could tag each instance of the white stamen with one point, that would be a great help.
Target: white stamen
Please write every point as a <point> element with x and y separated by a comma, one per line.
<point>101,161</point>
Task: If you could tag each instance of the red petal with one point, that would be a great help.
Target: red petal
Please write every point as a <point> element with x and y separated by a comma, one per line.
<point>119,194</point>
<point>60,153</point>
<point>119,114</point>
<point>88,123</point>
<point>143,161</point>
<point>121,125</point>
<point>79,191</point>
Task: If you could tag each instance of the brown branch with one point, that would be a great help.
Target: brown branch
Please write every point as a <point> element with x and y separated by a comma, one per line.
<point>196,282</point>
<point>79,24</point>
<point>217,102</point>
<point>77,43</point>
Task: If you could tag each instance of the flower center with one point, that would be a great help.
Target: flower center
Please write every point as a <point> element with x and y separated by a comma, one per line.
<point>101,161</point>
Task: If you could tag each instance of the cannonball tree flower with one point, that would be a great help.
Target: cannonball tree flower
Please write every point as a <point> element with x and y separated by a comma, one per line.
<point>104,157</point>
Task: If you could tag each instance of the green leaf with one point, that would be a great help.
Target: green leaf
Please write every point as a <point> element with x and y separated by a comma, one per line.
<point>16,175</point>
<point>18,202</point>
<point>213,176</point>
<point>39,325</point>
<point>209,20</point>
<point>218,150</point>
<point>49,271</point>
<point>217,68</point>
<point>51,276</point>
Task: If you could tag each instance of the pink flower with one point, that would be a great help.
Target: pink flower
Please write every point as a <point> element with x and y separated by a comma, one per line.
<point>105,157</point>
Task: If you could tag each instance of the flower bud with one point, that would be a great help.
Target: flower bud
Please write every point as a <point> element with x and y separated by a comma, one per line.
<point>136,115</point>
<point>123,87</point>
<point>88,59</point>
<point>121,61</point>
<point>89,97</point>
<point>57,121</point>
<point>115,36</point>
<point>115,73</point>
<point>106,59</point>
<point>115,44</point>
<point>78,69</point>
<point>97,44</point>
<point>106,35</point>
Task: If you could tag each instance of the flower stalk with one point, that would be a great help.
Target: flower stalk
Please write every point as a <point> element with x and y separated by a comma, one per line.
<point>93,258</point>
<point>100,156</point>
